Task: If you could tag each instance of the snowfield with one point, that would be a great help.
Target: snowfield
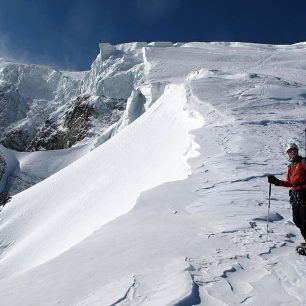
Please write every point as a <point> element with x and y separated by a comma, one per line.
<point>172,209</point>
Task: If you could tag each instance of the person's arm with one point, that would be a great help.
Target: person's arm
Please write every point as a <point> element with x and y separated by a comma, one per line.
<point>283,183</point>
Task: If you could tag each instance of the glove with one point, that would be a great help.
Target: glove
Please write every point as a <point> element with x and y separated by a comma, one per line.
<point>273,180</point>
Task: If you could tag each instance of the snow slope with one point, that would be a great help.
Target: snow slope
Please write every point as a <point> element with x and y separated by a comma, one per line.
<point>33,167</point>
<point>172,210</point>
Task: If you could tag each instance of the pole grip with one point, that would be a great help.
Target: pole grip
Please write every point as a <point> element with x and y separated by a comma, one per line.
<point>270,186</point>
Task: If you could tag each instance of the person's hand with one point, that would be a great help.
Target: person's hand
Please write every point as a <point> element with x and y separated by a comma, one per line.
<point>273,180</point>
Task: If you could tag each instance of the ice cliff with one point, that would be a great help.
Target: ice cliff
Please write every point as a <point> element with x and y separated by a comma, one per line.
<point>43,108</point>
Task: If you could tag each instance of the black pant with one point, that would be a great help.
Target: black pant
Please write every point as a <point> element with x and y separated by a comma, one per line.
<point>299,212</point>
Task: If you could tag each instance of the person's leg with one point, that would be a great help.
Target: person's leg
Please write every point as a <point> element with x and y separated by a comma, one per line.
<point>303,220</point>
<point>297,212</point>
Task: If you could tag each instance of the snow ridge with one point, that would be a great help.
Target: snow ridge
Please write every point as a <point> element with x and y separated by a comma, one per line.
<point>172,209</point>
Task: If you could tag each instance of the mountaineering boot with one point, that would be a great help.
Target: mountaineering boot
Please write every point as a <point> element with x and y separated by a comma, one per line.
<point>301,245</point>
<point>301,249</point>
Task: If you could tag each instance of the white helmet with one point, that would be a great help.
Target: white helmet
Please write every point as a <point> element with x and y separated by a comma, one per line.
<point>291,146</point>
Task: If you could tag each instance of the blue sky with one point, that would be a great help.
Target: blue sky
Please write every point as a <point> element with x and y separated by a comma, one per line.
<point>66,33</point>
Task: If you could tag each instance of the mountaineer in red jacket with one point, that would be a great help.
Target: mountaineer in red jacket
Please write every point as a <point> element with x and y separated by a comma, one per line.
<point>296,179</point>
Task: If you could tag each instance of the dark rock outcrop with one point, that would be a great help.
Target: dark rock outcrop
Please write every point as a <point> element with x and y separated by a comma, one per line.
<point>17,139</point>
<point>2,166</point>
<point>85,117</point>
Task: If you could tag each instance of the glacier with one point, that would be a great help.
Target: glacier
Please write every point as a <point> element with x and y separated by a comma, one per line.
<point>35,99</point>
<point>46,109</point>
<point>167,203</point>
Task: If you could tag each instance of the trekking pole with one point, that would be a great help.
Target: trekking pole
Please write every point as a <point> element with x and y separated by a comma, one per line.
<point>268,216</point>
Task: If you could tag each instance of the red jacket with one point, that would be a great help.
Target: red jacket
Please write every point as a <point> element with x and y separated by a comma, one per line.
<point>296,176</point>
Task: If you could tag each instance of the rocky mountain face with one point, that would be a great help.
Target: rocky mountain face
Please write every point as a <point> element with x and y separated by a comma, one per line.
<point>13,136</point>
<point>28,95</point>
<point>44,109</point>
<point>2,172</point>
<point>84,118</point>
<point>2,166</point>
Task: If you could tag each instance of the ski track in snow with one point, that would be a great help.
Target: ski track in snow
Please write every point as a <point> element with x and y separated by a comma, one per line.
<point>201,240</point>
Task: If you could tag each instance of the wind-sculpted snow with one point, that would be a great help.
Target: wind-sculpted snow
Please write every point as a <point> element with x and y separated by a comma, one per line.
<point>102,201</point>
<point>172,210</point>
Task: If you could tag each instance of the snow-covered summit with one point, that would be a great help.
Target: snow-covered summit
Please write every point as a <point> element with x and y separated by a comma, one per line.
<point>172,209</point>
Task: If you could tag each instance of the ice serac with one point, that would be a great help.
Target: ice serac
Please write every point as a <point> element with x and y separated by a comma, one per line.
<point>135,107</point>
<point>116,71</point>
<point>115,74</point>
<point>37,99</point>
